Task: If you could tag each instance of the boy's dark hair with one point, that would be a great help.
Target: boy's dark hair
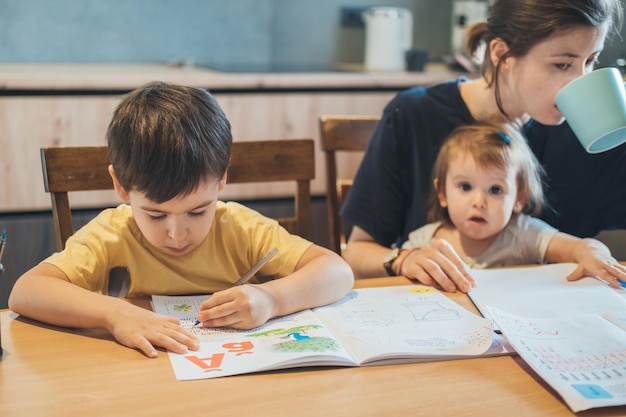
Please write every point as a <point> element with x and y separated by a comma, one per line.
<point>165,139</point>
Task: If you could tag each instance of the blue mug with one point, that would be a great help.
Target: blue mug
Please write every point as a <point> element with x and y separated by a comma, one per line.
<point>594,106</point>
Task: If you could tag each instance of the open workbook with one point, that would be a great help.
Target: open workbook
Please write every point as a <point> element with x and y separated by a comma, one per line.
<point>370,326</point>
<point>571,333</point>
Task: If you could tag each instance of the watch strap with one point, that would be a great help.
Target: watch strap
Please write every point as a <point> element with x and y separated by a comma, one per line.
<point>390,259</point>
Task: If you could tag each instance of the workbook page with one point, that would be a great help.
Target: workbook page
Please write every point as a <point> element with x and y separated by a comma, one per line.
<point>583,357</point>
<point>404,324</point>
<point>291,341</point>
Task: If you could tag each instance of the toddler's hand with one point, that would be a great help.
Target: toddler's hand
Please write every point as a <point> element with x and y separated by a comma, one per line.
<point>601,265</point>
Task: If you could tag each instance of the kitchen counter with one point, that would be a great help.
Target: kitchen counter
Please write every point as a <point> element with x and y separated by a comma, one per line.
<point>51,78</point>
<point>71,105</point>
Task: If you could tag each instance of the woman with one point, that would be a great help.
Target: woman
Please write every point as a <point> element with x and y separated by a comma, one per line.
<point>532,49</point>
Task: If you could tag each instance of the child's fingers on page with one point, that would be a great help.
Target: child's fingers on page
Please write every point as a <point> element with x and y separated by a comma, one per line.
<point>171,339</point>
<point>141,343</point>
<point>182,336</point>
<point>189,341</point>
<point>617,269</point>
<point>612,275</point>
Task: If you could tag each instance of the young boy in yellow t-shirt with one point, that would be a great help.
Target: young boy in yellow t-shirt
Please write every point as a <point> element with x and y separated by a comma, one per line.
<point>170,149</point>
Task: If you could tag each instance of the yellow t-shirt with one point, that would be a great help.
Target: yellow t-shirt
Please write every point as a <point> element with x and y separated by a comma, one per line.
<point>238,238</point>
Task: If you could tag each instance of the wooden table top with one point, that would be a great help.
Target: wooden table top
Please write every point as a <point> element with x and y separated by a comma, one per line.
<point>52,371</point>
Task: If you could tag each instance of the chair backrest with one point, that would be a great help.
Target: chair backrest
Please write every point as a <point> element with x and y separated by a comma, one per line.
<point>278,160</point>
<point>83,168</point>
<point>346,134</point>
<point>76,168</point>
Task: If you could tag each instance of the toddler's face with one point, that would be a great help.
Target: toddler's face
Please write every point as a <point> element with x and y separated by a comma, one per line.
<point>179,225</point>
<point>480,201</point>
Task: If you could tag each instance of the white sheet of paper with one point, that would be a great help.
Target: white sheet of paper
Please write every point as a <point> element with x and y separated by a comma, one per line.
<point>542,292</point>
<point>582,357</point>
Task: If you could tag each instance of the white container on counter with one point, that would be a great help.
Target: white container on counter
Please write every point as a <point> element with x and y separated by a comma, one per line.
<point>388,35</point>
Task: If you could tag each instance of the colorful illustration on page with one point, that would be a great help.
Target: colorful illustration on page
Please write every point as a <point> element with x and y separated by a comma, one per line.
<point>296,339</point>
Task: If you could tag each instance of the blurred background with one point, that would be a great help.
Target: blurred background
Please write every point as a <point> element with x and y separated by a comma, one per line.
<point>216,33</point>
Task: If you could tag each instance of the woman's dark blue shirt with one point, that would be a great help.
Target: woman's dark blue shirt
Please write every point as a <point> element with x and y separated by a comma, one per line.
<point>586,192</point>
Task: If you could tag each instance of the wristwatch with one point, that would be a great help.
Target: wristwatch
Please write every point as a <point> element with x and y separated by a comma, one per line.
<point>389,260</point>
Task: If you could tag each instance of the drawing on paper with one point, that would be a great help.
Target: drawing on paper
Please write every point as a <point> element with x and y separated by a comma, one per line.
<point>431,311</point>
<point>182,308</point>
<point>529,327</point>
<point>479,337</point>
<point>297,339</point>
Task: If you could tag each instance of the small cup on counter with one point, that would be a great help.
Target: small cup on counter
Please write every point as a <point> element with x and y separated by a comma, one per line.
<point>416,59</point>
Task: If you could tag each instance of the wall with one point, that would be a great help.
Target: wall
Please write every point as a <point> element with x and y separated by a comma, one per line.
<point>207,32</point>
<point>210,32</point>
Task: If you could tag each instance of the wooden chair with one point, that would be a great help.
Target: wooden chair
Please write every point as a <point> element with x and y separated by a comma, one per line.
<point>279,160</point>
<point>68,169</point>
<point>345,134</point>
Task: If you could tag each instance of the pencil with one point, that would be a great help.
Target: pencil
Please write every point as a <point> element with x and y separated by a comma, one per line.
<point>3,242</point>
<point>248,275</point>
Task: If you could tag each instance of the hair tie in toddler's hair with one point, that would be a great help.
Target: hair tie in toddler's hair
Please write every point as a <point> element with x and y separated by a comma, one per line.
<point>504,137</point>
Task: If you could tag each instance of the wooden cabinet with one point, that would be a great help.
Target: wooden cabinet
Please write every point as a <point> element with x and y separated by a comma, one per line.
<point>292,116</point>
<point>71,104</point>
<point>30,123</point>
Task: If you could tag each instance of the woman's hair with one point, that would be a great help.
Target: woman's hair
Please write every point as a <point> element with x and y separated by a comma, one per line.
<point>165,139</point>
<point>491,146</point>
<point>522,24</point>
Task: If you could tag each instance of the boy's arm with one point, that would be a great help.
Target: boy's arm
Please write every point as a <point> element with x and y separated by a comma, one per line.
<point>320,277</point>
<point>45,293</point>
<point>592,256</point>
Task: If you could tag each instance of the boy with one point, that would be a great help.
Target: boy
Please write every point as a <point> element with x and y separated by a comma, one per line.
<point>170,149</point>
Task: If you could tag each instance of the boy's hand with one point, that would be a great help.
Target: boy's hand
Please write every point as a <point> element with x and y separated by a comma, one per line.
<point>240,307</point>
<point>142,329</point>
<point>438,265</point>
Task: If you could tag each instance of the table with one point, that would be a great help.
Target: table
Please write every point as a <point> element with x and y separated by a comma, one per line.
<point>52,371</point>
